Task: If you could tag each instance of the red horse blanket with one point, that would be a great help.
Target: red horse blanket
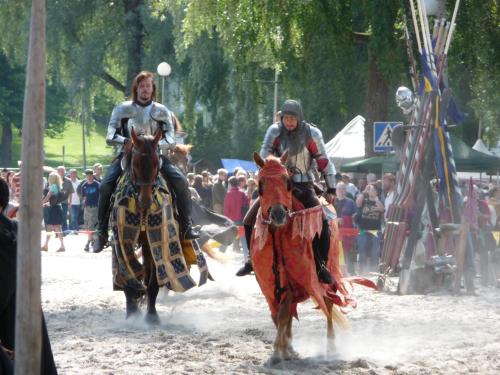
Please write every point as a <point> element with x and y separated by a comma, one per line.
<point>284,259</point>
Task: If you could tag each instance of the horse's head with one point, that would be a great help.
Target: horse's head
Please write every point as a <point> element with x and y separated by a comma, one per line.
<point>179,156</point>
<point>144,165</point>
<point>275,188</point>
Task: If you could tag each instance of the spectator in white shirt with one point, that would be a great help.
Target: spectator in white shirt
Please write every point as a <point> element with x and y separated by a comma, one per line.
<point>74,212</point>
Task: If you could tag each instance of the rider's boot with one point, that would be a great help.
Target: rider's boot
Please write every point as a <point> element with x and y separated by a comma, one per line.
<point>179,187</point>
<point>186,229</point>
<point>184,207</point>
<point>100,242</point>
<point>101,238</point>
<point>247,267</point>
<point>108,185</point>
<point>321,247</point>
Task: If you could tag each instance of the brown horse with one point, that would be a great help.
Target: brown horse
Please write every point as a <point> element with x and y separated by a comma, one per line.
<point>179,154</point>
<point>143,215</point>
<point>283,259</point>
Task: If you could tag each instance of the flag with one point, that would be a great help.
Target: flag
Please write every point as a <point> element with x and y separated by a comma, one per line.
<point>429,82</point>
<point>454,114</point>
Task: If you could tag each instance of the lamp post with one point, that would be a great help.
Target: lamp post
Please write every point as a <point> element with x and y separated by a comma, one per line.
<point>275,103</point>
<point>275,95</point>
<point>163,70</point>
<point>82,86</point>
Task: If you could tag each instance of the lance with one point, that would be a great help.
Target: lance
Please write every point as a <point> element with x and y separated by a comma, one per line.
<point>411,58</point>
<point>452,27</point>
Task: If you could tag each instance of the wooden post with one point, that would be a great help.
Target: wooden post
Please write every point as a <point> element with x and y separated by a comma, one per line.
<point>28,301</point>
<point>460,254</point>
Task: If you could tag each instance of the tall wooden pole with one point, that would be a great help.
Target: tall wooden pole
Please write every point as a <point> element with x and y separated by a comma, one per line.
<point>28,301</point>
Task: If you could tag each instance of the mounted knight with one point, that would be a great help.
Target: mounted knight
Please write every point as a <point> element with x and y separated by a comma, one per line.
<point>306,149</point>
<point>145,115</point>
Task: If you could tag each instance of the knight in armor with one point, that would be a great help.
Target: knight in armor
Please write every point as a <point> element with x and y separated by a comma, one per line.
<point>145,116</point>
<point>304,143</point>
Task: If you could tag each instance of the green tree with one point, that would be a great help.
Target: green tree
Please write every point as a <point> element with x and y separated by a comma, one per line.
<point>11,104</point>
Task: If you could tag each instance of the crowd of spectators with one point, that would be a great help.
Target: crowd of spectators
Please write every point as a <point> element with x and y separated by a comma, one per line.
<point>362,206</point>
<point>69,203</point>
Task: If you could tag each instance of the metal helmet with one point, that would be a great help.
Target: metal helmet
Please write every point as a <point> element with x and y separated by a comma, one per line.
<point>405,99</point>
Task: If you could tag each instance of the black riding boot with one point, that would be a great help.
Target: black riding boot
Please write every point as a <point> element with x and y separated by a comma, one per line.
<point>185,222</point>
<point>321,247</point>
<point>247,267</point>
<point>108,186</point>
<point>179,187</point>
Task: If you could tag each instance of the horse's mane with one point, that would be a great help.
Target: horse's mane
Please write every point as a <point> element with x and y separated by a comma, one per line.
<point>272,166</point>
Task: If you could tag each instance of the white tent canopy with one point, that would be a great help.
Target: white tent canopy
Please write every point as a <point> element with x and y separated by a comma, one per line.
<point>349,143</point>
<point>481,147</point>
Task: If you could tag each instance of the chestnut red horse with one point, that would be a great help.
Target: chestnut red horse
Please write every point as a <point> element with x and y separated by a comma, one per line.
<point>283,258</point>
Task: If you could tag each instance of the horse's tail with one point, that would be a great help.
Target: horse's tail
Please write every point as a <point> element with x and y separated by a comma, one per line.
<point>338,317</point>
<point>207,249</point>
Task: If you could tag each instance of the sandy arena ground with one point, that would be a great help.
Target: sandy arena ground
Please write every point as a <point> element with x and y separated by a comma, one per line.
<point>225,327</point>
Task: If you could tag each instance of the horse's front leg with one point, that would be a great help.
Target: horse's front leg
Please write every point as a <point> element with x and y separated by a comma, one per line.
<point>292,354</point>
<point>152,285</point>
<point>282,321</point>
<point>131,298</point>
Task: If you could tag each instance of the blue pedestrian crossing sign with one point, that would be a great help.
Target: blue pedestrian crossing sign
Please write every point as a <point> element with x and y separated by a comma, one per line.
<point>382,136</point>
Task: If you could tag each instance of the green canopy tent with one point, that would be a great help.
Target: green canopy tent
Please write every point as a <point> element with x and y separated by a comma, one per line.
<point>466,159</point>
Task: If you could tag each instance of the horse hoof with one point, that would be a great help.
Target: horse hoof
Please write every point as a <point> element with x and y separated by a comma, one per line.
<point>292,354</point>
<point>275,360</point>
<point>132,314</point>
<point>153,319</point>
<point>330,347</point>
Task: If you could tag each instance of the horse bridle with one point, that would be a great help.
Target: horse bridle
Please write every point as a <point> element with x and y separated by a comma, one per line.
<point>143,183</point>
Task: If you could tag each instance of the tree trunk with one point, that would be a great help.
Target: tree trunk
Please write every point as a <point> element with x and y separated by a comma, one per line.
<point>6,146</point>
<point>135,37</point>
<point>376,103</point>
<point>28,299</point>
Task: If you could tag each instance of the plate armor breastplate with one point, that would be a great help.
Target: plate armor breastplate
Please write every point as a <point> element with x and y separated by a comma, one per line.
<point>142,122</point>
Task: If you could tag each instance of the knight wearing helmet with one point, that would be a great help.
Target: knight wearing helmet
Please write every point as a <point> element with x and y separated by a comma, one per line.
<point>306,151</point>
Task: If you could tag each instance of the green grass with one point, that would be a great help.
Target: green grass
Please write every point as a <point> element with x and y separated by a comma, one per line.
<point>71,140</point>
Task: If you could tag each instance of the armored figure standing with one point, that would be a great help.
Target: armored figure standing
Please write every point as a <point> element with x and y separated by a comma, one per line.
<point>145,116</point>
<point>306,151</point>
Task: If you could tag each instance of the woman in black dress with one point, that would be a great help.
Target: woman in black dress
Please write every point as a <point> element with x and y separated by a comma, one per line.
<point>54,215</point>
